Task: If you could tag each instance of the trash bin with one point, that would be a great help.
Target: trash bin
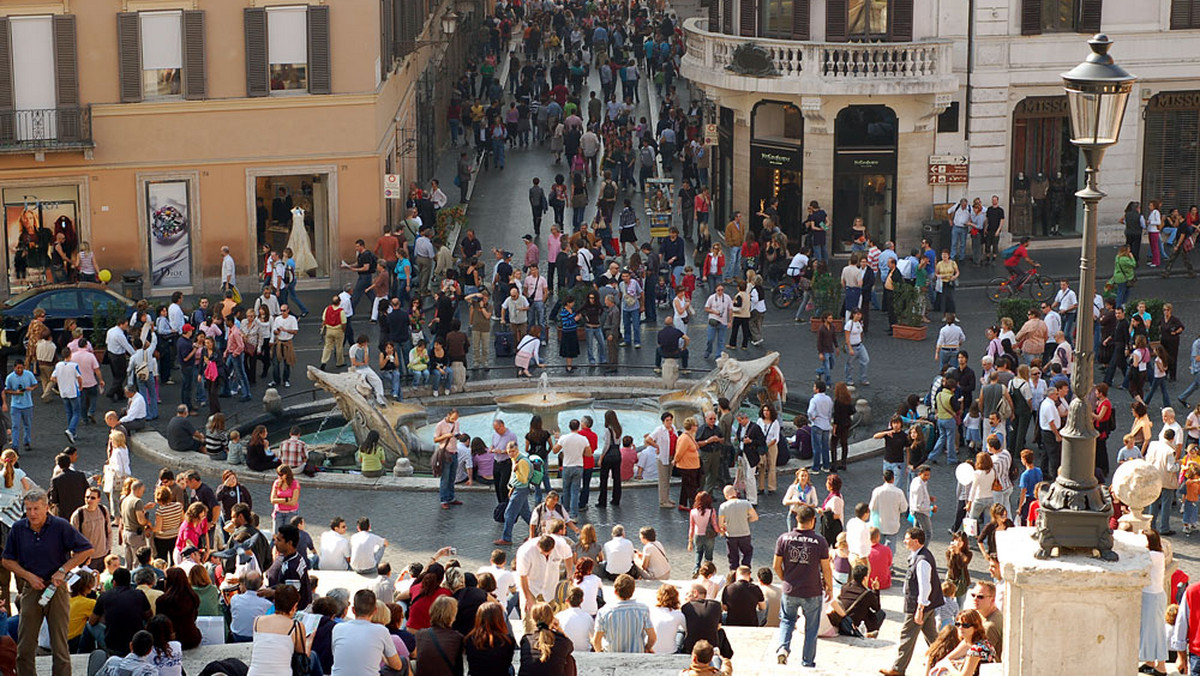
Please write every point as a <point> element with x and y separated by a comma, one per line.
<point>937,232</point>
<point>131,284</point>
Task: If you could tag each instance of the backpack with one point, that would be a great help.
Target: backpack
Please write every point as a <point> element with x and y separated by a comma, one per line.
<point>537,469</point>
<point>647,156</point>
<point>289,275</point>
<point>610,192</point>
<point>710,527</point>
<point>1008,252</point>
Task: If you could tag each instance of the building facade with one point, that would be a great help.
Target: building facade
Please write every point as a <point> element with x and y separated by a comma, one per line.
<point>888,110</point>
<point>158,131</point>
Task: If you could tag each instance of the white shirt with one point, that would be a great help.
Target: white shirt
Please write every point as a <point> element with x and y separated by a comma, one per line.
<point>667,623</point>
<point>855,330</point>
<point>175,317</point>
<point>505,582</point>
<point>1066,300</point>
<point>820,411</point>
<point>889,502</point>
<point>722,305</point>
<point>591,588</point>
<point>362,549</point>
<point>539,570</point>
<point>334,550</point>
<point>68,377</point>
<point>577,625</point>
<point>439,199</point>
<point>951,336</point>
<point>137,409</point>
<point>618,555</point>
<point>228,271</point>
<point>918,496</point>
<point>654,561</point>
<point>1178,441</point>
<point>662,439</point>
<point>573,447</point>
<point>116,468</point>
<point>1053,325</point>
<point>799,262</point>
<point>647,461</point>
<point>284,325</point>
<point>1048,418</point>
<point>116,342</point>
<point>858,536</point>
<point>359,646</point>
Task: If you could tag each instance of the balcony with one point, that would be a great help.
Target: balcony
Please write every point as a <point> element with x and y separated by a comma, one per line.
<point>48,130</point>
<point>820,68</point>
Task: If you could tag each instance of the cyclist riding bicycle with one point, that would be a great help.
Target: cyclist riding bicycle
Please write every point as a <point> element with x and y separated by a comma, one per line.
<point>1012,262</point>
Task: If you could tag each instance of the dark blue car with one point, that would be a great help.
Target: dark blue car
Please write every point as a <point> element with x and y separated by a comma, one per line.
<point>81,302</point>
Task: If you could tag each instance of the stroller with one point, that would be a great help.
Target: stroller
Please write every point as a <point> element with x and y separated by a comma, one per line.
<point>664,288</point>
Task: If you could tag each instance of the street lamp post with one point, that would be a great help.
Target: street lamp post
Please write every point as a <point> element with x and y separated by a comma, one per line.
<point>1074,509</point>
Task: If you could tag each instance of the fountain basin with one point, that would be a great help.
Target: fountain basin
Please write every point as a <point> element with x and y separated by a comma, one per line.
<point>546,404</point>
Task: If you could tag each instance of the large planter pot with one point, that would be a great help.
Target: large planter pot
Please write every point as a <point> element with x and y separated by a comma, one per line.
<point>815,324</point>
<point>902,332</point>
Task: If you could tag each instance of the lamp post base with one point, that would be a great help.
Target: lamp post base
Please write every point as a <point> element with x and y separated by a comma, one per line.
<point>1074,531</point>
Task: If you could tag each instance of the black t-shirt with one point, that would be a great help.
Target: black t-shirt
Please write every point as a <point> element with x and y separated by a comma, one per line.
<point>893,446</point>
<point>668,341</point>
<point>368,259</point>
<point>994,215</point>
<point>703,620</point>
<point>471,247</point>
<point>741,601</point>
<point>124,611</point>
<point>179,434</point>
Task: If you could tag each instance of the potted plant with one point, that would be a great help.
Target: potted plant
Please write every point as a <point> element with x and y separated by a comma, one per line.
<point>104,317</point>
<point>448,219</point>
<point>827,294</point>
<point>909,317</point>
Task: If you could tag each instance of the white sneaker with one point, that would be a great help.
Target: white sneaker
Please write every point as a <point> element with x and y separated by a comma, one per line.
<point>435,394</point>
<point>781,656</point>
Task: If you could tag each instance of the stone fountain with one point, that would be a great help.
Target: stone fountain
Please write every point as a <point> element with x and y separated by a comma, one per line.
<point>546,403</point>
<point>355,401</point>
<point>731,379</point>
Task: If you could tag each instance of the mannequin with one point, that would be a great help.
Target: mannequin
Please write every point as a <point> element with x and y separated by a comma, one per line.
<point>1058,202</point>
<point>1020,221</point>
<point>300,245</point>
<point>1039,189</point>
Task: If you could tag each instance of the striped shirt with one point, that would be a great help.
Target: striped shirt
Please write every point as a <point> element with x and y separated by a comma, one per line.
<point>624,624</point>
<point>293,452</point>
<point>567,319</point>
<point>168,518</point>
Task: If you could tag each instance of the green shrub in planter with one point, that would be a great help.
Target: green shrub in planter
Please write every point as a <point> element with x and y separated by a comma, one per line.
<point>827,295</point>
<point>907,300</point>
<point>1016,309</point>
<point>1154,307</point>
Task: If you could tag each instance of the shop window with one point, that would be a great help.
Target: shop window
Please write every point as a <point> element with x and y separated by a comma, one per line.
<point>280,223</point>
<point>287,48</point>
<point>868,19</point>
<point>33,218</point>
<point>947,121</point>
<point>162,53</point>
<point>777,18</point>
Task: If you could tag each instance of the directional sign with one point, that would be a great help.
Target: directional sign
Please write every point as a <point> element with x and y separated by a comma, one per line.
<point>710,134</point>
<point>391,186</point>
<point>948,169</point>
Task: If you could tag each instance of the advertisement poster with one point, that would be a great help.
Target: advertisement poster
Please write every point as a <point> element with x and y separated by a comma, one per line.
<point>29,229</point>
<point>170,234</point>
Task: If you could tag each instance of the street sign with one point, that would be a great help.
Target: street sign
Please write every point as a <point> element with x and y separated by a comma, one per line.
<point>948,169</point>
<point>391,186</point>
<point>710,134</point>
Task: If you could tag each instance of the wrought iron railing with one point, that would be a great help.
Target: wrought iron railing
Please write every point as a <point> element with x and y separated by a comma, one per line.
<point>47,129</point>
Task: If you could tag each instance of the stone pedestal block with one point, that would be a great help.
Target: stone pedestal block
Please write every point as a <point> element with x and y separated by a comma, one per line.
<point>1071,614</point>
<point>670,372</point>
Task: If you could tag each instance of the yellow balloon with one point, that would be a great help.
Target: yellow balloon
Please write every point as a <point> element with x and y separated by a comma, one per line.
<point>105,276</point>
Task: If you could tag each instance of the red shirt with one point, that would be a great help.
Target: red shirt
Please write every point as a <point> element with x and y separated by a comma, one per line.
<point>879,562</point>
<point>589,459</point>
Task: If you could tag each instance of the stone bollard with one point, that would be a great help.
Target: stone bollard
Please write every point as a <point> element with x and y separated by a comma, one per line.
<point>670,372</point>
<point>272,403</point>
<point>403,468</point>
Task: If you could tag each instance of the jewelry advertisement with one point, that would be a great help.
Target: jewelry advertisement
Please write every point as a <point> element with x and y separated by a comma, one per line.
<point>170,234</point>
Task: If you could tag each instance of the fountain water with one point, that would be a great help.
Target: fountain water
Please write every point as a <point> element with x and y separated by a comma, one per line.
<point>546,403</point>
<point>731,379</point>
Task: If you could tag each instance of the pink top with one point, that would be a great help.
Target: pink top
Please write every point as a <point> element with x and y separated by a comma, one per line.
<point>281,492</point>
<point>190,534</point>
<point>628,461</point>
<point>697,521</point>
<point>553,246</point>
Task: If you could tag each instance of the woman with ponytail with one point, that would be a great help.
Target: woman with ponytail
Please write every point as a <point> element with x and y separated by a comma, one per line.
<point>546,651</point>
<point>15,484</point>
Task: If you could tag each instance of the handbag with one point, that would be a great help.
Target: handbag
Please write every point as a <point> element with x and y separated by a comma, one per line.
<point>970,526</point>
<point>301,661</point>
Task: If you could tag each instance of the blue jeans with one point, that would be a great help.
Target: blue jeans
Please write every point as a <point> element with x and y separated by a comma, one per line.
<point>632,321</point>
<point>1122,294</point>
<point>1192,387</point>
<point>289,292</point>
<point>455,130</point>
<point>72,406</point>
<point>518,507</point>
<point>440,378</point>
<point>537,313</point>
<point>186,387</point>
<point>149,390</point>
<point>716,336</point>
<point>901,471</point>
<point>1160,511</point>
<point>1158,385</point>
<point>811,607</point>
<point>947,356</point>
<point>1193,665</point>
<point>958,242</point>
<point>420,378</point>
<point>391,382</point>
<point>446,484</point>
<point>239,375</point>
<point>947,440</point>
<point>820,444</point>
<point>595,345</point>
<point>585,487</point>
<point>820,252</point>
<point>825,368</point>
<point>733,262</point>
<point>704,550</point>
<point>862,358</point>
<point>572,482</point>
<point>91,394</point>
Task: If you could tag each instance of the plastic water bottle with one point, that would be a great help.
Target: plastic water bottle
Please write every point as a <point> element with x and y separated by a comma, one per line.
<point>47,594</point>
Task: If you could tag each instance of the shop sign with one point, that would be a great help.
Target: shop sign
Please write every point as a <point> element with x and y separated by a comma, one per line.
<point>169,216</point>
<point>1042,106</point>
<point>778,157</point>
<point>711,134</point>
<point>882,163</point>
<point>391,186</point>
<point>948,169</point>
<point>1175,101</point>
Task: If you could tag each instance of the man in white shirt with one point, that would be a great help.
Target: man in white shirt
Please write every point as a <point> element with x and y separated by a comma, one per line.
<point>575,622</point>
<point>820,418</point>
<point>70,381</point>
<point>1162,454</point>
<point>283,330</point>
<point>1050,422</point>
<point>920,502</point>
<point>360,645</point>
<point>858,534</point>
<point>662,440</point>
<point>1066,304</point>
<point>134,419</point>
<point>366,549</point>
<point>537,574</point>
<point>646,468</point>
<point>653,558</point>
<point>571,448</point>
<point>119,350</point>
<point>246,607</point>
<point>618,555</point>
<point>889,503</point>
<point>506,583</point>
<point>1170,423</point>
<point>228,270</point>
<point>1054,324</point>
<point>717,308</point>
<point>334,547</point>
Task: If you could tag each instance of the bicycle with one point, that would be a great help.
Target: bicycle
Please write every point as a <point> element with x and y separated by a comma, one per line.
<point>786,293</point>
<point>1039,288</point>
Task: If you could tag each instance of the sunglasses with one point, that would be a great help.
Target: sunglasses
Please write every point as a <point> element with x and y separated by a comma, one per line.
<point>980,596</point>
<point>962,625</point>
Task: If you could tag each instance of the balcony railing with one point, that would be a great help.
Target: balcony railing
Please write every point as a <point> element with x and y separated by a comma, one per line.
<point>821,67</point>
<point>49,129</point>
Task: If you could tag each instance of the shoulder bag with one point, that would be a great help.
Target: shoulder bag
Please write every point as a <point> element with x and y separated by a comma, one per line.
<point>301,661</point>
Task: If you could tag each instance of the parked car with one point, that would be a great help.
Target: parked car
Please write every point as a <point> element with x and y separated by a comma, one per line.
<point>82,302</point>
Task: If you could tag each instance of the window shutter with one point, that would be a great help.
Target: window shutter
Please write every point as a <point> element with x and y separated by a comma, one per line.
<point>1181,14</point>
<point>129,54</point>
<point>386,23</point>
<point>727,17</point>
<point>195,77</point>
<point>1089,16</point>
<point>837,20</point>
<point>7,98</point>
<point>257,82</point>
<point>800,20</point>
<point>66,64</point>
<point>747,27</point>
<point>714,16</point>
<point>1031,17</point>
<point>900,18</point>
<point>318,50</point>
<point>398,24</point>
